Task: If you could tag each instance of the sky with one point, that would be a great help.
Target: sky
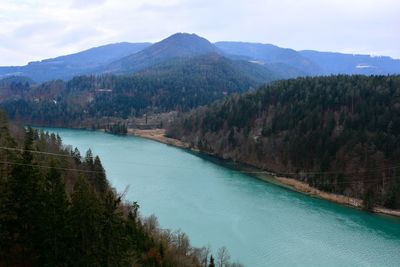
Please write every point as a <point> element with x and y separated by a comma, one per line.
<point>37,29</point>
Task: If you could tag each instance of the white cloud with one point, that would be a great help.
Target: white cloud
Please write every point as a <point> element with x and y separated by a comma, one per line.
<point>38,29</point>
<point>86,3</point>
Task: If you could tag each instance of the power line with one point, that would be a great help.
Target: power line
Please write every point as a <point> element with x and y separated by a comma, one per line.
<point>333,172</point>
<point>47,167</point>
<point>247,172</point>
<point>74,157</point>
<point>319,182</point>
<point>313,184</point>
<point>36,151</point>
<point>351,182</point>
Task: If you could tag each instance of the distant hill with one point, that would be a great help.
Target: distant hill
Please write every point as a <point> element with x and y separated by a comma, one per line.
<point>128,58</point>
<point>211,65</point>
<point>65,67</point>
<point>179,45</point>
<point>270,54</point>
<point>11,80</point>
<point>312,63</point>
<point>177,84</point>
<point>337,63</point>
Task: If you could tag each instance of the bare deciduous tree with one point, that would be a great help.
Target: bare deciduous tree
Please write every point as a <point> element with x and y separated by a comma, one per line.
<point>223,257</point>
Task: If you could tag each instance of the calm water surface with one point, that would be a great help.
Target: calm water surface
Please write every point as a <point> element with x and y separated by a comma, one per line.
<point>261,224</point>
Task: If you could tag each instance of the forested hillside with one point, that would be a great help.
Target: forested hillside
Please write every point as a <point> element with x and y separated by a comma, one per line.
<point>179,45</point>
<point>339,133</point>
<point>57,209</point>
<point>180,84</point>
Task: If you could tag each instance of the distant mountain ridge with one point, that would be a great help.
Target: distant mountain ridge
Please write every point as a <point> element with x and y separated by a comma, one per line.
<point>66,67</point>
<point>313,63</point>
<point>269,54</point>
<point>338,63</point>
<point>127,58</point>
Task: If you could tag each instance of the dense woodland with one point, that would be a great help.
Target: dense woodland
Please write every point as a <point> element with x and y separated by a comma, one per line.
<point>57,209</point>
<point>117,128</point>
<point>337,133</point>
<point>180,84</point>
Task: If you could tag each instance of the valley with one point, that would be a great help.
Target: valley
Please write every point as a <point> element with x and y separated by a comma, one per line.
<point>221,206</point>
<point>264,156</point>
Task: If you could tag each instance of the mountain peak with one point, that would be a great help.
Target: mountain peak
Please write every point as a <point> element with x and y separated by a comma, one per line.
<point>184,35</point>
<point>178,45</point>
<point>185,44</point>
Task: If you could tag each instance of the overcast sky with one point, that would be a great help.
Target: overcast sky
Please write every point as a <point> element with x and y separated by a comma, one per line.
<point>37,29</point>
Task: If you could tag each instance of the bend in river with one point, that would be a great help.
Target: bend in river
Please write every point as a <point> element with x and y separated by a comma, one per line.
<point>260,223</point>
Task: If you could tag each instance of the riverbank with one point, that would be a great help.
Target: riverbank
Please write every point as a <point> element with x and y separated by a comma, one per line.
<point>159,136</point>
<point>290,183</point>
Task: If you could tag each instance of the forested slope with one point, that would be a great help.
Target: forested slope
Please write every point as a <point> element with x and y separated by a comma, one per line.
<point>57,209</point>
<point>180,84</point>
<point>338,133</point>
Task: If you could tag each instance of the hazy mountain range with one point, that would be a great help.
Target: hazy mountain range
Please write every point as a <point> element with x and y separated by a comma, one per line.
<point>261,61</point>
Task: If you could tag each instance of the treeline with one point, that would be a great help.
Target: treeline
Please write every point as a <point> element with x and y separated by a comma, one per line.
<point>178,85</point>
<point>339,133</point>
<point>57,209</point>
<point>117,128</point>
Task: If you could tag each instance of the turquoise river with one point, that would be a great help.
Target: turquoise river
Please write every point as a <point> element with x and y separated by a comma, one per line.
<point>260,223</point>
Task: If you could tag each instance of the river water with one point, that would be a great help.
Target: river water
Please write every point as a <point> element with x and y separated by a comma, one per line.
<point>260,223</point>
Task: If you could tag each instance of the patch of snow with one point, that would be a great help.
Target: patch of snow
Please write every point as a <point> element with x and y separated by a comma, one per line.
<point>257,62</point>
<point>364,66</point>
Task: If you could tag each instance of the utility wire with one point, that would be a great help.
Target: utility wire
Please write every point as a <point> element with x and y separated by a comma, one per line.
<point>314,173</point>
<point>89,171</point>
<point>36,151</point>
<point>351,182</point>
<point>47,167</point>
<point>148,164</point>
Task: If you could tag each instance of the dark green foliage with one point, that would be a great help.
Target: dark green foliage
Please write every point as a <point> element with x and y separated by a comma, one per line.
<point>338,133</point>
<point>212,264</point>
<point>117,128</point>
<point>85,215</point>
<point>179,84</point>
<point>53,215</point>
<point>60,210</point>
<point>369,199</point>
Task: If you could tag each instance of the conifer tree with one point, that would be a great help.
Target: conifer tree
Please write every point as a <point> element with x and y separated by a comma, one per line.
<point>53,228</point>
<point>99,176</point>
<point>86,225</point>
<point>24,204</point>
<point>212,264</point>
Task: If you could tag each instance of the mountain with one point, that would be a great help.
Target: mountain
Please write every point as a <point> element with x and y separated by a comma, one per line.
<point>270,54</point>
<point>311,63</point>
<point>208,66</point>
<point>336,133</point>
<point>177,84</point>
<point>128,58</point>
<point>65,67</point>
<point>179,45</point>
<point>338,63</point>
